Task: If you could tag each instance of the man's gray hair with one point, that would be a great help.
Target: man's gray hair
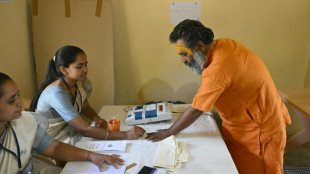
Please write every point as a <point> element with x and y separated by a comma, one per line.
<point>191,31</point>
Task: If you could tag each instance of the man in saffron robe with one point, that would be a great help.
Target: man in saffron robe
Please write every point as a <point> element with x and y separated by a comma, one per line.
<point>237,83</point>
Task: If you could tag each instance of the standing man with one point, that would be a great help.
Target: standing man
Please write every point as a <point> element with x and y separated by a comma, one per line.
<point>238,84</point>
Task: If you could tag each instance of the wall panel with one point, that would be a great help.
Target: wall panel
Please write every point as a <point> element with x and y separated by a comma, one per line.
<point>52,30</point>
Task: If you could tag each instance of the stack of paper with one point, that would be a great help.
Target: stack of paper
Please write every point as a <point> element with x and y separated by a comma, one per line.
<point>170,154</point>
<point>102,146</point>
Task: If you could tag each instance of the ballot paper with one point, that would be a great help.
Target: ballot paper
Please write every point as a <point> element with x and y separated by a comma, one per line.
<point>102,146</point>
<point>87,167</point>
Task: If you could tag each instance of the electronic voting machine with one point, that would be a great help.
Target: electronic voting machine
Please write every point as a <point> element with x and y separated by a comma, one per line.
<point>149,113</point>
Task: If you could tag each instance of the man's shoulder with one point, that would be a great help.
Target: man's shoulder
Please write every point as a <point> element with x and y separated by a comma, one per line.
<point>226,41</point>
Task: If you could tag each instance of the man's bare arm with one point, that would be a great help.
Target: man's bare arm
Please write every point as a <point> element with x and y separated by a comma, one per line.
<point>189,116</point>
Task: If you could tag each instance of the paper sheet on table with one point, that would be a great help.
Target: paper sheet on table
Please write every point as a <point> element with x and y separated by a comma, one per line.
<point>97,146</point>
<point>87,167</point>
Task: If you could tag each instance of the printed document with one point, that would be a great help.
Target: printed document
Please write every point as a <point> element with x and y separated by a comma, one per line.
<point>102,146</point>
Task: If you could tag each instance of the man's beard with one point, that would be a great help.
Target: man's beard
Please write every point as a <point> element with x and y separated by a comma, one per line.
<point>198,62</point>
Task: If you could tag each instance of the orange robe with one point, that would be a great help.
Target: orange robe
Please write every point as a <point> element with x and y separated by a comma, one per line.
<point>238,84</point>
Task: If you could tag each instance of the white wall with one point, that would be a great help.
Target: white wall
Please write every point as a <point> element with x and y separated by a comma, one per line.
<point>52,30</point>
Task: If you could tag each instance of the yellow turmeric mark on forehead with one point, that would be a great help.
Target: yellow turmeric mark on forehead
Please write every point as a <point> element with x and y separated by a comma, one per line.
<point>181,49</point>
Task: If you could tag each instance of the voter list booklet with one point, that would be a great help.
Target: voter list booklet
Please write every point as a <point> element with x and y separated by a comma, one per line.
<point>102,146</point>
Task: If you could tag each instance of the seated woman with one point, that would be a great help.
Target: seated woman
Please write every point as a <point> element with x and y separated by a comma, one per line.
<point>23,134</point>
<point>62,98</point>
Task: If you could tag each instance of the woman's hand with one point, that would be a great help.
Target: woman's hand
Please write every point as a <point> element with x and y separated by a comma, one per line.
<point>135,132</point>
<point>102,123</point>
<point>99,159</point>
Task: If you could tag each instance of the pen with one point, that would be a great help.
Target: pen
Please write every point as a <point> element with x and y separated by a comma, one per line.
<point>130,166</point>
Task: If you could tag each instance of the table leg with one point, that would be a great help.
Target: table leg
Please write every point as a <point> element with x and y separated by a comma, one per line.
<point>301,137</point>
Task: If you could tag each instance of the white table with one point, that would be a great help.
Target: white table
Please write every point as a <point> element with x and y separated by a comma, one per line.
<point>209,153</point>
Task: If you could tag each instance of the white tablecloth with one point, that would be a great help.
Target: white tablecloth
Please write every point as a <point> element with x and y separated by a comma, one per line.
<point>209,153</point>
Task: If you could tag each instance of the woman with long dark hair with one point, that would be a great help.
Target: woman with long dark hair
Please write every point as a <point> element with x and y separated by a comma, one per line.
<point>62,98</point>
